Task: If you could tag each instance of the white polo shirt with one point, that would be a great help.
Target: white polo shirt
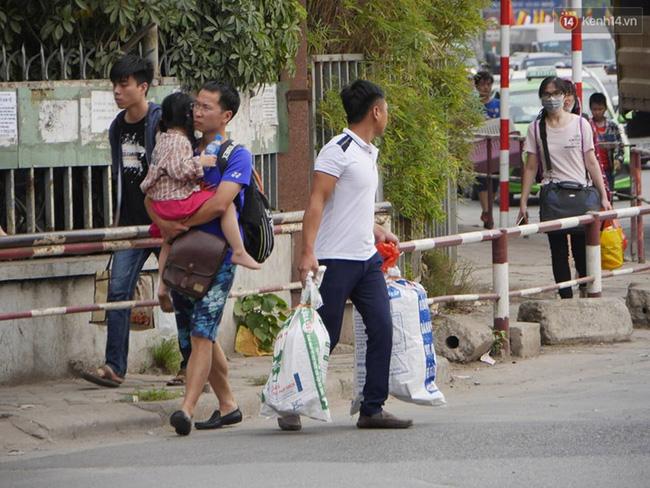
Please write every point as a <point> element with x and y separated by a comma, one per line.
<point>346,228</point>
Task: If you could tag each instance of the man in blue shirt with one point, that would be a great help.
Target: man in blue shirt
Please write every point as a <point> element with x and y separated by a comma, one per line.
<point>483,82</point>
<point>215,106</point>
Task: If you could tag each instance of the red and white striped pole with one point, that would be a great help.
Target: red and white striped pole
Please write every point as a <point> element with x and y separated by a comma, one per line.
<point>501,286</point>
<point>594,269</point>
<point>576,49</point>
<point>504,109</point>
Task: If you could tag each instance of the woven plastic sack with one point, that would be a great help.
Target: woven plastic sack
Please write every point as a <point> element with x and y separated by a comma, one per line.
<point>413,358</point>
<point>296,385</point>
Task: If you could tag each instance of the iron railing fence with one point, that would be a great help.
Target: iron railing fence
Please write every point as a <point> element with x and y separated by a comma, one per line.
<point>79,197</point>
<point>42,62</point>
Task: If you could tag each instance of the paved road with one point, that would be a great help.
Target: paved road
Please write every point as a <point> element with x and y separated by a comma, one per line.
<point>573,417</point>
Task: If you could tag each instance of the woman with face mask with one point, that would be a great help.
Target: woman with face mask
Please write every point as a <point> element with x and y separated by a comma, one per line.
<point>568,140</point>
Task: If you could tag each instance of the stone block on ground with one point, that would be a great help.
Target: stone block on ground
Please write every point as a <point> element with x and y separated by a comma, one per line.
<point>638,303</point>
<point>443,375</point>
<point>579,321</point>
<point>525,339</point>
<point>463,338</point>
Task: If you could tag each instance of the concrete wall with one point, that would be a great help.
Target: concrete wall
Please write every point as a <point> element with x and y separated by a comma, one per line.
<point>39,348</point>
<point>65,123</point>
<point>42,348</point>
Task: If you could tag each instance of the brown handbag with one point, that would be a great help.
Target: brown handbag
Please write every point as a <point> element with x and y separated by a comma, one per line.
<point>194,259</point>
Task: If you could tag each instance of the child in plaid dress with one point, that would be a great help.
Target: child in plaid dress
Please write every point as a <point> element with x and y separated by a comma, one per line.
<point>173,184</point>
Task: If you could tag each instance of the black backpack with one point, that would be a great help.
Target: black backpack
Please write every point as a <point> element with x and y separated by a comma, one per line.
<point>255,216</point>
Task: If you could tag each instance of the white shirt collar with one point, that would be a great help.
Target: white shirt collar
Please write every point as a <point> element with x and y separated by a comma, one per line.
<point>364,145</point>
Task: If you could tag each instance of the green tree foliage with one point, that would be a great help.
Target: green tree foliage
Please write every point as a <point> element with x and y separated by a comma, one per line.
<point>415,49</point>
<point>245,42</point>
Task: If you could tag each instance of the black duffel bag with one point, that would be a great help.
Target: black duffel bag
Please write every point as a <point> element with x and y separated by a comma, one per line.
<point>567,199</point>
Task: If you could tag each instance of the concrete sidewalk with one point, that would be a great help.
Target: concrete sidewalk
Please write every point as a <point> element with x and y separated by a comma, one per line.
<point>73,408</point>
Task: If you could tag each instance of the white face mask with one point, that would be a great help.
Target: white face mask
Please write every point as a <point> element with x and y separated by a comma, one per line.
<point>553,104</point>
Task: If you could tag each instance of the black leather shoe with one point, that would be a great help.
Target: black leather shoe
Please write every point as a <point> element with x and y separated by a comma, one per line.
<point>383,420</point>
<point>216,421</point>
<point>181,422</point>
<point>290,423</point>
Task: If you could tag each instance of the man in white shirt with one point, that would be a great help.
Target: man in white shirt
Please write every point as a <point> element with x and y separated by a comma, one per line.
<point>339,231</point>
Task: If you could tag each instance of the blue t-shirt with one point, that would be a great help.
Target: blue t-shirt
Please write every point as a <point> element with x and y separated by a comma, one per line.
<point>239,170</point>
<point>493,109</point>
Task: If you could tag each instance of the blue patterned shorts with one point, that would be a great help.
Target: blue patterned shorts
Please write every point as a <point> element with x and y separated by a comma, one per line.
<point>201,318</point>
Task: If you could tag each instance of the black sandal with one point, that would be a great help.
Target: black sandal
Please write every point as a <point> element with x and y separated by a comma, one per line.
<point>103,376</point>
<point>178,380</point>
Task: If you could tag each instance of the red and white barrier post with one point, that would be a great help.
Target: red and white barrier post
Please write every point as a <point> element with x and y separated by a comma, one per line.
<point>501,286</point>
<point>576,50</point>
<point>594,269</point>
<point>504,109</point>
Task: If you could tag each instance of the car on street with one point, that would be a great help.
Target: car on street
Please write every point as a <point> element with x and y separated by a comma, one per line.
<point>523,61</point>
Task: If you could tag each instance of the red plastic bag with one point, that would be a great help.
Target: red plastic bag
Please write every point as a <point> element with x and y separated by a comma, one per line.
<point>390,253</point>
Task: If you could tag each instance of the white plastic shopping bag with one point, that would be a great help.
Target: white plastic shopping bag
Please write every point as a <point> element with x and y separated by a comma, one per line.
<point>296,385</point>
<point>413,358</point>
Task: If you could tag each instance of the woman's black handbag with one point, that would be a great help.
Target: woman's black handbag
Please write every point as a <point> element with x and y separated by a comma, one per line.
<point>558,200</point>
<point>567,199</point>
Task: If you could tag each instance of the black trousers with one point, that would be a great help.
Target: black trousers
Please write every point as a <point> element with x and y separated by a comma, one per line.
<point>362,282</point>
<point>559,243</point>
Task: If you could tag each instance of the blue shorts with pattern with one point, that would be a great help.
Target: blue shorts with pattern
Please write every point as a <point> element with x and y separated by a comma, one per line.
<point>201,318</point>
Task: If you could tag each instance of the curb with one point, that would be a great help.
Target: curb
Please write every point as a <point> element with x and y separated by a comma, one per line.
<point>80,421</point>
<point>105,419</point>
<point>339,387</point>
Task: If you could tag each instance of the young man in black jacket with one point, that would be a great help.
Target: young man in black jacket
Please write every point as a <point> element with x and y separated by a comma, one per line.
<point>132,137</point>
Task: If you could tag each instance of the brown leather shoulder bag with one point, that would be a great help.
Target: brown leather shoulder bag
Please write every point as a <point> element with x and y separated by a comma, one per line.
<point>194,259</point>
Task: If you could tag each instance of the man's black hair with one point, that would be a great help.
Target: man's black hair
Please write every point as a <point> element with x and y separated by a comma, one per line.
<point>177,113</point>
<point>483,76</point>
<point>597,99</point>
<point>131,65</point>
<point>358,98</point>
<point>228,95</point>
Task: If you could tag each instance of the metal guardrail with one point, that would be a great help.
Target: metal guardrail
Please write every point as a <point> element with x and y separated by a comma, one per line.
<point>499,239</point>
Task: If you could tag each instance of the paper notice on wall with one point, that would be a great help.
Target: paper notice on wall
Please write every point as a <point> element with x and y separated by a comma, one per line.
<point>58,121</point>
<point>102,111</point>
<point>264,106</point>
<point>8,119</point>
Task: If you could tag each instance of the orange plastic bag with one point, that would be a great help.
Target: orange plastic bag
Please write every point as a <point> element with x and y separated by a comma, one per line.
<point>390,253</point>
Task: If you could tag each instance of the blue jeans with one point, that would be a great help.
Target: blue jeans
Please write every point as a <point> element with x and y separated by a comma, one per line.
<point>125,269</point>
<point>362,282</point>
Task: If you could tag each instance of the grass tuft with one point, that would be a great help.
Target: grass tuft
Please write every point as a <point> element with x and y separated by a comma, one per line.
<point>258,380</point>
<point>166,355</point>
<point>155,395</point>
